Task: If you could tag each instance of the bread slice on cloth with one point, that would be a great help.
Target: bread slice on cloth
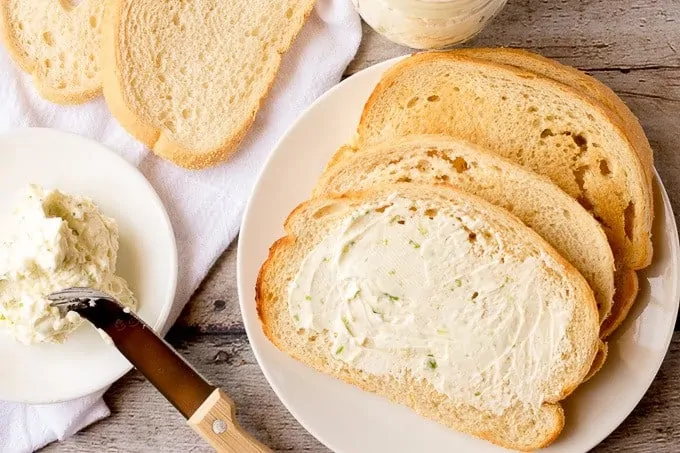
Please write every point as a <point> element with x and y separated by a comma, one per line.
<point>535,121</point>
<point>58,43</point>
<point>187,78</point>
<point>335,294</point>
<point>432,159</point>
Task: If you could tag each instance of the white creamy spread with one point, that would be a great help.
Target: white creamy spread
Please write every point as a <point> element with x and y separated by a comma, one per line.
<point>400,292</point>
<point>428,24</point>
<point>56,241</point>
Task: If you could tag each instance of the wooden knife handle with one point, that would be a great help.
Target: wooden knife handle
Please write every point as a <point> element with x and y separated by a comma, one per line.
<point>215,421</point>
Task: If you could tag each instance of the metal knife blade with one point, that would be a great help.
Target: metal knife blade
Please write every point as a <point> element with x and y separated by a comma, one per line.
<point>174,377</point>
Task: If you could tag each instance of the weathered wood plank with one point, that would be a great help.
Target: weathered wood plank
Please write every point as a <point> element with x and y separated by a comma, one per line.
<point>143,421</point>
<point>214,306</point>
<point>588,34</point>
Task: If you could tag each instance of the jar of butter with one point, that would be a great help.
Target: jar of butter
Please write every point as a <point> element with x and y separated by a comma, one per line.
<point>428,24</point>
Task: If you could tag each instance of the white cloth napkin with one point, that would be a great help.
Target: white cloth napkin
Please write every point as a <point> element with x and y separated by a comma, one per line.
<point>205,207</point>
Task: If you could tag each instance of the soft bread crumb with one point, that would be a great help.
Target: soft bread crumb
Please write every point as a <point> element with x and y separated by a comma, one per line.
<point>58,44</point>
<point>187,78</point>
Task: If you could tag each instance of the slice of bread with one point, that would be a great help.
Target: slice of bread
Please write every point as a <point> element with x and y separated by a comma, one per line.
<point>534,121</point>
<point>58,43</point>
<point>579,81</point>
<point>494,233</point>
<point>432,159</point>
<point>187,78</point>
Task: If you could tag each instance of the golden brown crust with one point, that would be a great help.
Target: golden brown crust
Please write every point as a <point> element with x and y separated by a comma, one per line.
<point>626,293</point>
<point>27,65</point>
<point>642,254</point>
<point>154,137</point>
<point>600,359</point>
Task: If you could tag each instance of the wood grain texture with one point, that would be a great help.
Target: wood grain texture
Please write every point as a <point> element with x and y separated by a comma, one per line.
<point>215,420</point>
<point>589,34</point>
<point>143,421</point>
<point>631,45</point>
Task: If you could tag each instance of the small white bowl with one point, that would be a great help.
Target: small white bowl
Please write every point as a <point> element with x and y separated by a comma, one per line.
<point>84,363</point>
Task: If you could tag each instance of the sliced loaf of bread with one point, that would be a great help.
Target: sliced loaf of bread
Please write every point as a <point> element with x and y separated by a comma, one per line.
<point>58,43</point>
<point>480,386</point>
<point>187,78</point>
<point>432,159</point>
<point>534,121</point>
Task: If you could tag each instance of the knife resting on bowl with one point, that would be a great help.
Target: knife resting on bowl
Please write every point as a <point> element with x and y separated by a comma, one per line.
<point>208,410</point>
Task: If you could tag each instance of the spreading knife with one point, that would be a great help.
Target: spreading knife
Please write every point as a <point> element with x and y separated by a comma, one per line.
<point>208,410</point>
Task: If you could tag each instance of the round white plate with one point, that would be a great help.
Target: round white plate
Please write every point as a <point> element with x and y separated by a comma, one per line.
<point>347,419</point>
<point>147,259</point>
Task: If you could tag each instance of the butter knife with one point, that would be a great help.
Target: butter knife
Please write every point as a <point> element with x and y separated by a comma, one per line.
<point>208,410</point>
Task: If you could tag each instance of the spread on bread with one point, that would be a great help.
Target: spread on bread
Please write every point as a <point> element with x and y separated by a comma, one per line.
<point>397,290</point>
<point>436,159</point>
<point>436,299</point>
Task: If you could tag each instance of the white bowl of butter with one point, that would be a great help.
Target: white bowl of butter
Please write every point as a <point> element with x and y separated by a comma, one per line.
<point>73,213</point>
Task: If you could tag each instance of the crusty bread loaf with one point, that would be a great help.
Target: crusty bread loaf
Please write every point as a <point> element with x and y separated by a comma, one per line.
<point>58,44</point>
<point>432,159</point>
<point>520,426</point>
<point>537,122</point>
<point>187,78</point>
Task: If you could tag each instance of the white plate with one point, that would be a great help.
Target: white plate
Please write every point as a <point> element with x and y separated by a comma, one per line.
<point>147,259</point>
<point>347,419</point>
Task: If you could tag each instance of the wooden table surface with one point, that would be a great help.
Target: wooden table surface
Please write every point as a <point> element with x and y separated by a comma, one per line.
<point>631,45</point>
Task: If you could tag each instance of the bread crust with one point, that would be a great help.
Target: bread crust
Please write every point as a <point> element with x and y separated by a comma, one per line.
<point>154,137</point>
<point>600,359</point>
<point>28,65</point>
<point>627,287</point>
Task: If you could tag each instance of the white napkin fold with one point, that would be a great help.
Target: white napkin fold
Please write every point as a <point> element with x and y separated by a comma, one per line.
<point>205,207</point>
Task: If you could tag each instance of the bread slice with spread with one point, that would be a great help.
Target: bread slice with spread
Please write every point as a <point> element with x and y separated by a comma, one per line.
<point>435,299</point>
<point>433,159</point>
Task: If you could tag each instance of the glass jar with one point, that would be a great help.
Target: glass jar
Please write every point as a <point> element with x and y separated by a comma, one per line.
<point>428,24</point>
